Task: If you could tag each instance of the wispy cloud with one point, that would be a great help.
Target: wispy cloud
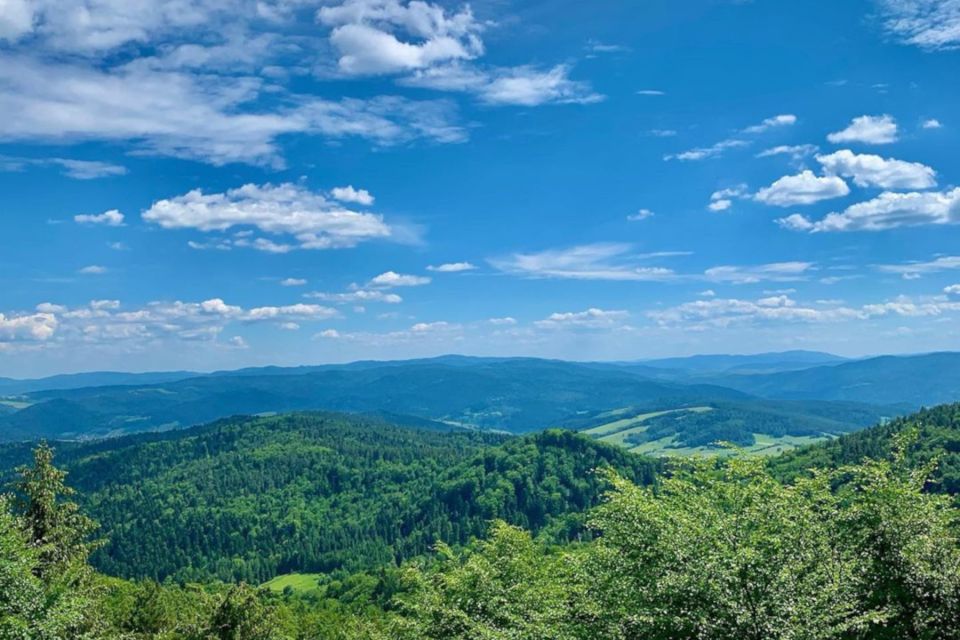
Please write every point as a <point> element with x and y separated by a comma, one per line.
<point>598,261</point>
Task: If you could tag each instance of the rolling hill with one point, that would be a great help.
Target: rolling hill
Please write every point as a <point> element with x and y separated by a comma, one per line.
<point>914,381</point>
<point>516,395</point>
<point>252,498</point>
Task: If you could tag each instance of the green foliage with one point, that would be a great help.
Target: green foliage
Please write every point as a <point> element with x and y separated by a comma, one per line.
<point>937,439</point>
<point>252,498</point>
<point>46,586</point>
<point>719,550</point>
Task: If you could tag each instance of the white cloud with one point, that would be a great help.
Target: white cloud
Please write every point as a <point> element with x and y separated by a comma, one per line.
<point>929,24</point>
<point>93,269</point>
<point>651,92</point>
<point>107,322</point>
<point>598,261</point>
<point>662,133</point>
<point>796,152</point>
<point>349,194</point>
<point>772,272</point>
<point>393,279</point>
<point>112,218</point>
<point>525,85</point>
<point>286,209</point>
<point>358,295</point>
<point>592,318</point>
<point>952,290</point>
<point>722,200</point>
<point>452,267</point>
<point>292,282</point>
<point>724,312</point>
<point>237,342</point>
<point>34,327</point>
<point>803,188</point>
<point>641,214</point>
<point>783,120</point>
<point>427,327</point>
<point>158,111</point>
<point>886,211</point>
<point>874,171</point>
<point>911,270</point>
<point>868,130</point>
<point>89,169</point>
<point>502,322</point>
<point>932,123</point>
<point>707,153</point>
<point>707,293</point>
<point>76,169</point>
<point>367,35</point>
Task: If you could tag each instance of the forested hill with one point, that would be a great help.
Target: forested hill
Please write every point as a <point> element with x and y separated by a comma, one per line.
<point>250,498</point>
<point>937,437</point>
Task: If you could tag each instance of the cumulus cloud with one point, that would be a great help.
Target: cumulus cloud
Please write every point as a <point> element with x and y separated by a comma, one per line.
<point>724,312</point>
<point>886,211</point>
<point>598,261</point>
<point>388,36</point>
<point>932,123</point>
<point>722,200</point>
<point>349,194</point>
<point>33,327</point>
<point>783,120</point>
<point>874,171</point>
<point>501,322</point>
<point>293,282</point>
<point>288,210</point>
<point>452,267</point>
<point>801,189</point>
<point>929,24</point>
<point>868,130</point>
<point>393,279</point>
<point>108,322</point>
<point>592,318</point>
<point>112,218</point>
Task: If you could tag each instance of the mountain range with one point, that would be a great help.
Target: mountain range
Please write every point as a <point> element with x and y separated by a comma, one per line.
<point>827,394</point>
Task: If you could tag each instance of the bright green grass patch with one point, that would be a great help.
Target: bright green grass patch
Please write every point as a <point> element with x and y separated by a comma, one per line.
<point>620,425</point>
<point>765,445</point>
<point>298,582</point>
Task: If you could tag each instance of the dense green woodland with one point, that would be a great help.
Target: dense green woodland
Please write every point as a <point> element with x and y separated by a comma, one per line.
<point>251,498</point>
<point>713,549</point>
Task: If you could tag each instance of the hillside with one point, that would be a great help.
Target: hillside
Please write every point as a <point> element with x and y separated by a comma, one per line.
<point>937,438</point>
<point>509,394</point>
<point>922,380</point>
<point>517,395</point>
<point>251,498</point>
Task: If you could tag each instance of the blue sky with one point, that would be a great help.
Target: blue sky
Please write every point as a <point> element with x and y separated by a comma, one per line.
<point>211,184</point>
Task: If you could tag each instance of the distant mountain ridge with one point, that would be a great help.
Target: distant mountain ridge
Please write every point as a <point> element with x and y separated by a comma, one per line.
<point>510,394</point>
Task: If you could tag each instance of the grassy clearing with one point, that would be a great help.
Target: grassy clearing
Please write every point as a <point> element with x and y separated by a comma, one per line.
<point>765,445</point>
<point>299,582</point>
<point>630,424</point>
